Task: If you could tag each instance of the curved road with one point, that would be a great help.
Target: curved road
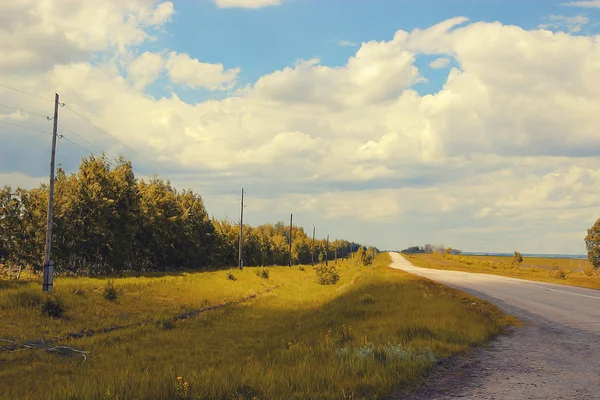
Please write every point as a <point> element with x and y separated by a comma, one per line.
<point>555,355</point>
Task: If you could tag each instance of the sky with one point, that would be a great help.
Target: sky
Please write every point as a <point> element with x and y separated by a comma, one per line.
<point>467,123</point>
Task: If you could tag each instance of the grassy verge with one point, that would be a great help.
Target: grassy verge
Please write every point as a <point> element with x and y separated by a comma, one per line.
<point>377,330</point>
<point>552,270</point>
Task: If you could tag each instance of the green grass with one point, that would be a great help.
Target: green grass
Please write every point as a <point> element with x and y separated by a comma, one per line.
<point>553,270</point>
<point>377,330</point>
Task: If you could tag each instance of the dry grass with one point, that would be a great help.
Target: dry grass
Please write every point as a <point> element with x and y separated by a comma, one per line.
<point>375,331</point>
<point>552,270</point>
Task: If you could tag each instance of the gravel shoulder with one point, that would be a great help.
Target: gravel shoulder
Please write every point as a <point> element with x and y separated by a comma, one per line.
<point>554,355</point>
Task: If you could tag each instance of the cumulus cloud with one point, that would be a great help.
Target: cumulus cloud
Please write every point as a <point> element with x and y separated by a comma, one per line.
<point>190,72</point>
<point>36,35</point>
<point>439,63</point>
<point>246,3</point>
<point>507,145</point>
<point>145,69</point>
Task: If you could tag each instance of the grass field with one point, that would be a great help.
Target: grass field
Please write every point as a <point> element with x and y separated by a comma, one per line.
<point>572,272</point>
<point>376,331</point>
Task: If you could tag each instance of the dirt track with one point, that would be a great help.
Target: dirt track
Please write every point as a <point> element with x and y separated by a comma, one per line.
<point>555,355</point>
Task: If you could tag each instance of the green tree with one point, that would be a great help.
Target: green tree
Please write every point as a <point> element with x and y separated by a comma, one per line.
<point>592,243</point>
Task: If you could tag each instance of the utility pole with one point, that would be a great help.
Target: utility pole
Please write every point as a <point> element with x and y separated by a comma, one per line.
<point>48,264</point>
<point>327,251</point>
<point>335,254</point>
<point>240,261</point>
<point>291,215</point>
<point>312,252</point>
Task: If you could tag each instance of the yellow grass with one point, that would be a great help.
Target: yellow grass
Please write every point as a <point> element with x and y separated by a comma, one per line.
<point>552,270</point>
<point>377,330</point>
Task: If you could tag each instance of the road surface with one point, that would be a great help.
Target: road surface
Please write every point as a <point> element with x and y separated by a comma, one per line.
<point>555,355</point>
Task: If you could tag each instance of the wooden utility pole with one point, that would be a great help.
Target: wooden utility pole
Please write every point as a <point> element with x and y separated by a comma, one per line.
<point>312,252</point>
<point>48,264</point>
<point>327,251</point>
<point>240,261</point>
<point>335,253</point>
<point>291,215</point>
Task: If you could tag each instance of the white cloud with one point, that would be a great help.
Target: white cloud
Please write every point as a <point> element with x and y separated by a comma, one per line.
<point>246,3</point>
<point>145,69</point>
<point>35,35</point>
<point>439,63</point>
<point>500,157</point>
<point>570,24</point>
<point>585,4</point>
<point>193,73</point>
<point>346,43</point>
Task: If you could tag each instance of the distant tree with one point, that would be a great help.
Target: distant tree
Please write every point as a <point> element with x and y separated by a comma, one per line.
<point>517,258</point>
<point>592,243</point>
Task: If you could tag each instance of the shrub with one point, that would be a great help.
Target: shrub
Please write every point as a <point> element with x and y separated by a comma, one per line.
<point>53,306</point>
<point>558,273</point>
<point>517,258</point>
<point>166,324</point>
<point>231,276</point>
<point>301,268</point>
<point>366,299</point>
<point>110,293</point>
<point>327,275</point>
<point>263,273</point>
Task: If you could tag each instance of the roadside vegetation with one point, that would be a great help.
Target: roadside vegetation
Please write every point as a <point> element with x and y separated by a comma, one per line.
<point>373,331</point>
<point>106,221</point>
<point>574,272</point>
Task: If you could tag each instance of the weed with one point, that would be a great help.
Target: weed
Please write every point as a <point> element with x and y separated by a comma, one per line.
<point>327,275</point>
<point>301,268</point>
<point>231,276</point>
<point>367,299</point>
<point>558,273</point>
<point>182,388</point>
<point>110,292</point>
<point>53,306</point>
<point>262,273</point>
<point>166,324</point>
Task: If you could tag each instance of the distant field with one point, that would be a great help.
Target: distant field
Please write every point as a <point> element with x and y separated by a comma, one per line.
<point>575,272</point>
<point>377,330</point>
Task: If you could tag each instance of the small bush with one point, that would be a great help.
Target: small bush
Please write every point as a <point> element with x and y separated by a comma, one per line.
<point>558,273</point>
<point>367,299</point>
<point>53,306</point>
<point>166,324</point>
<point>301,268</point>
<point>231,276</point>
<point>262,273</point>
<point>110,293</point>
<point>327,275</point>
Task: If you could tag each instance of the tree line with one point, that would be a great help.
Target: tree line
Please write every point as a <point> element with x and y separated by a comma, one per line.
<point>106,220</point>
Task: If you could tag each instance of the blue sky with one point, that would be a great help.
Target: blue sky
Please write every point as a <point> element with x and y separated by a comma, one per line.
<point>492,150</point>
<point>267,39</point>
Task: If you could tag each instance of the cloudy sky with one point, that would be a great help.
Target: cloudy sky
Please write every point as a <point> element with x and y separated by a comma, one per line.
<point>471,123</point>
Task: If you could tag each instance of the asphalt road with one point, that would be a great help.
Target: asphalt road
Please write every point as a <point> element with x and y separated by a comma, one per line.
<point>555,355</point>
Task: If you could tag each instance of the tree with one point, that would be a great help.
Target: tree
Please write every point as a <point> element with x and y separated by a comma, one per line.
<point>517,258</point>
<point>592,243</point>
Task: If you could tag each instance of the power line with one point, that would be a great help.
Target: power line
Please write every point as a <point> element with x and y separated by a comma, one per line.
<point>25,127</point>
<point>25,111</point>
<point>29,94</point>
<point>93,145</point>
<point>114,138</point>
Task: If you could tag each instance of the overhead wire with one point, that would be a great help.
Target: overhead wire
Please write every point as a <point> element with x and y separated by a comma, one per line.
<point>25,127</point>
<point>115,139</point>
<point>24,92</point>
<point>25,111</point>
<point>93,145</point>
